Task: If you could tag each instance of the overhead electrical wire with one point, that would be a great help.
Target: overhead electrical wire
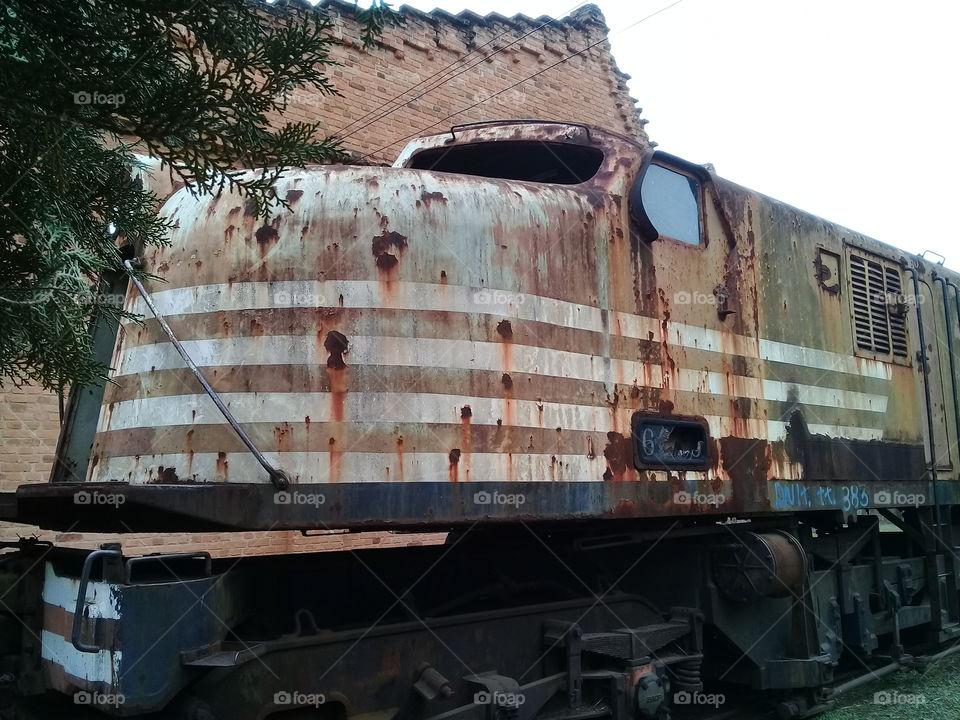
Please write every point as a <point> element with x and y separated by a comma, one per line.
<point>520,82</point>
<point>436,75</point>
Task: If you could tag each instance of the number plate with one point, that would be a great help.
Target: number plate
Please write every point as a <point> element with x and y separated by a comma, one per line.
<point>670,443</point>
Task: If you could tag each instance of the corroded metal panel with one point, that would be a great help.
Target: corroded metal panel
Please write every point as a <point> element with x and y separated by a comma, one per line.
<point>402,325</point>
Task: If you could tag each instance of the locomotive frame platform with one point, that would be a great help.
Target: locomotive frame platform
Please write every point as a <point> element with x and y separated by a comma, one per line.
<point>124,507</point>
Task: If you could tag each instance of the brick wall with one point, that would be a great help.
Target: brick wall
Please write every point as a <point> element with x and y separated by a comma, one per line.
<point>466,65</point>
<point>29,426</point>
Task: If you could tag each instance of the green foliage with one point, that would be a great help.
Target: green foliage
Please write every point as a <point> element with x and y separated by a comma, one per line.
<point>194,84</point>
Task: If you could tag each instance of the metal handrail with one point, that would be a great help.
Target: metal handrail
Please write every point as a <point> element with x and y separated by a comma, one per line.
<point>82,598</point>
<point>520,121</point>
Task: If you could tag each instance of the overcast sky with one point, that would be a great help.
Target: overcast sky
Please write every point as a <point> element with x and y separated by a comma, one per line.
<point>845,108</point>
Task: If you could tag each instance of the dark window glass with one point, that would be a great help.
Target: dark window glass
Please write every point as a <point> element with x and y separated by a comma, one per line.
<point>671,201</point>
<point>543,162</point>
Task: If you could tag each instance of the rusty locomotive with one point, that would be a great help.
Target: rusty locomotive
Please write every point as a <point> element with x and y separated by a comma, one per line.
<point>689,443</point>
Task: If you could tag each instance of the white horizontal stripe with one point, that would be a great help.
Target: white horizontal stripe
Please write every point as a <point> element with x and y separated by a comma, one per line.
<point>842,431</point>
<point>102,666</point>
<point>283,408</point>
<point>475,355</point>
<point>777,430</point>
<point>62,592</point>
<point>101,602</point>
<point>824,396</point>
<point>358,407</point>
<point>368,407</point>
<point>392,351</point>
<point>691,336</point>
<point>365,294</point>
<point>357,467</point>
<point>314,467</point>
<point>369,294</point>
<point>823,360</point>
<point>715,383</point>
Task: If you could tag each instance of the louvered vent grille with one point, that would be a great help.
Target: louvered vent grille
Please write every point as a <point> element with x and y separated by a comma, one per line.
<point>898,323</point>
<point>875,287</point>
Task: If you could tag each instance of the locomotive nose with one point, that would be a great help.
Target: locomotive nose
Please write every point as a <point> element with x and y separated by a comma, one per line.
<point>354,337</point>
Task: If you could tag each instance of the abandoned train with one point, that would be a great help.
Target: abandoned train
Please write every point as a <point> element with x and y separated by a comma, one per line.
<point>689,444</point>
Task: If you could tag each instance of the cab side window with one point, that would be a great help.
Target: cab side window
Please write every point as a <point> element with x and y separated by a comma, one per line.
<point>667,201</point>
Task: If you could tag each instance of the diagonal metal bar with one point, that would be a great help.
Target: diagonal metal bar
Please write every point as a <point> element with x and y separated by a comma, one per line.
<point>278,477</point>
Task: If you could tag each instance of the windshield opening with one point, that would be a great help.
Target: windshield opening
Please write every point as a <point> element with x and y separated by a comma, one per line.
<point>536,161</point>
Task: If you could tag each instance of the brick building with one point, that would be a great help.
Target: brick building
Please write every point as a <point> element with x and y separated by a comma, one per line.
<point>434,70</point>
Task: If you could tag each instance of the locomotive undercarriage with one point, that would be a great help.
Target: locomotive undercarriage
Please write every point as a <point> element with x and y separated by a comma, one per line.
<point>621,621</point>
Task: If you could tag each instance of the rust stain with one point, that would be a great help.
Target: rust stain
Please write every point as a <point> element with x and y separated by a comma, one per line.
<point>223,467</point>
<point>190,453</point>
<point>619,457</point>
<point>388,248</point>
<point>433,197</point>
<point>282,435</point>
<point>167,475</point>
<point>386,242</point>
<point>337,345</point>
<point>267,234</point>
<point>466,438</point>
<point>505,330</point>
<point>454,458</point>
<point>336,458</point>
<point>387,261</point>
<point>338,392</point>
<point>399,446</point>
